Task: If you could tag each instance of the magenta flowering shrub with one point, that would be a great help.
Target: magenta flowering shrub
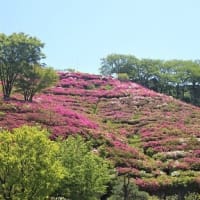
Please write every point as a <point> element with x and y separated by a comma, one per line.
<point>152,137</point>
<point>196,153</point>
<point>128,170</point>
<point>73,118</point>
<point>193,162</point>
<point>151,185</point>
<point>124,147</point>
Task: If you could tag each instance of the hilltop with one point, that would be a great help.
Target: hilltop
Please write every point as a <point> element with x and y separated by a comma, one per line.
<point>150,136</point>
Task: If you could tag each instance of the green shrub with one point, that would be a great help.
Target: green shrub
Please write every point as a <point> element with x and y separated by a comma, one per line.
<point>90,87</point>
<point>125,189</point>
<point>123,76</point>
<point>192,196</point>
<point>29,165</point>
<point>87,174</point>
<point>107,87</point>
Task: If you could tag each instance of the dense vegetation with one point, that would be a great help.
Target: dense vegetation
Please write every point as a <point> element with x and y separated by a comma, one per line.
<point>177,78</point>
<point>150,138</point>
<point>20,66</point>
<point>34,167</point>
<point>29,165</point>
<point>131,141</point>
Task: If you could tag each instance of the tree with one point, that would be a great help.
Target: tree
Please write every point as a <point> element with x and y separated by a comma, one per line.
<point>71,70</point>
<point>29,165</point>
<point>17,52</point>
<point>114,63</point>
<point>87,173</point>
<point>178,78</point>
<point>124,189</point>
<point>35,79</point>
<point>143,71</point>
<point>192,70</point>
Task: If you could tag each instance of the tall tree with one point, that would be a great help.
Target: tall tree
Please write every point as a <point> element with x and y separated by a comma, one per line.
<point>193,72</point>
<point>87,173</point>
<point>29,168</point>
<point>125,189</point>
<point>114,63</point>
<point>17,52</point>
<point>178,78</point>
<point>35,79</point>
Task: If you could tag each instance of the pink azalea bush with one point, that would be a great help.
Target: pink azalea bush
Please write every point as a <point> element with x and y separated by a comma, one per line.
<point>150,136</point>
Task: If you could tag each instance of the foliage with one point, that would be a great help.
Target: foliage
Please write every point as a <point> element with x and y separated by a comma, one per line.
<point>34,80</point>
<point>29,165</point>
<point>189,196</point>
<point>17,52</point>
<point>87,173</point>
<point>177,78</point>
<point>70,69</point>
<point>159,148</point>
<point>124,189</point>
<point>117,63</point>
<point>123,77</point>
<point>192,196</point>
<point>148,135</point>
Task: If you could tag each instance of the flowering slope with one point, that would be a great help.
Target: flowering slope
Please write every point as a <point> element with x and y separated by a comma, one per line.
<point>152,137</point>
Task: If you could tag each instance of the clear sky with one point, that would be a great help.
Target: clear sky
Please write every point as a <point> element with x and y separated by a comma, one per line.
<point>78,33</point>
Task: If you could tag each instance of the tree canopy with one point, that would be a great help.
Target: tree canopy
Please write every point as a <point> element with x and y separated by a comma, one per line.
<point>34,80</point>
<point>87,173</point>
<point>34,167</point>
<point>178,78</point>
<point>18,52</point>
<point>29,165</point>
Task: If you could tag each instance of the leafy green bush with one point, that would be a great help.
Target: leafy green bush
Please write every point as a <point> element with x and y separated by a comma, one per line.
<point>173,197</point>
<point>192,196</point>
<point>35,79</point>
<point>90,87</point>
<point>29,165</point>
<point>87,174</point>
<point>107,87</point>
<point>123,76</point>
<point>125,189</point>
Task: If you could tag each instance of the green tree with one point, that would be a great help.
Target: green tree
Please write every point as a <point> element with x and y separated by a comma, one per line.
<point>178,78</point>
<point>29,168</point>
<point>115,63</point>
<point>124,189</point>
<point>88,173</point>
<point>145,70</point>
<point>35,79</point>
<point>192,70</point>
<point>17,52</point>
<point>71,70</point>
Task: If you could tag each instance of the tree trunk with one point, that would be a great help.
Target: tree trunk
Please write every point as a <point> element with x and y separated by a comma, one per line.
<point>126,187</point>
<point>6,92</point>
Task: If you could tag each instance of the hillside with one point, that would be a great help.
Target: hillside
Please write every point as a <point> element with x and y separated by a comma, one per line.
<point>152,137</point>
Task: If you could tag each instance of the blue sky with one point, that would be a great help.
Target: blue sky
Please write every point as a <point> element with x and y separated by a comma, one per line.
<point>78,33</point>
